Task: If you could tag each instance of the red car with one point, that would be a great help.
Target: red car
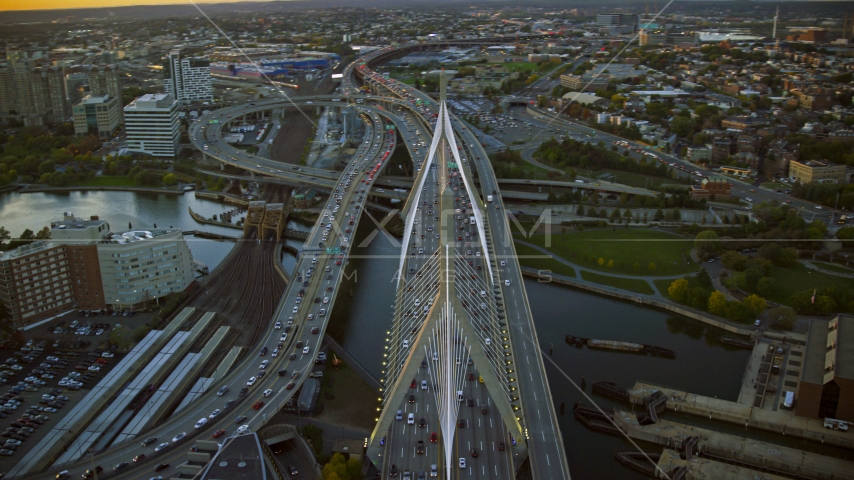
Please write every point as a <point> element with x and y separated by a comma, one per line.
<point>471,376</point>
<point>433,437</point>
<point>412,385</point>
<point>290,385</point>
<point>257,405</point>
<point>338,262</point>
<point>218,433</point>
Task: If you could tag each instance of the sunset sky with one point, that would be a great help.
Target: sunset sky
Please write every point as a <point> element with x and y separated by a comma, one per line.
<point>54,4</point>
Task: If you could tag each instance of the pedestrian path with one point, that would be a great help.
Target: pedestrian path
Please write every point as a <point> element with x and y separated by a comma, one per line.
<point>578,269</point>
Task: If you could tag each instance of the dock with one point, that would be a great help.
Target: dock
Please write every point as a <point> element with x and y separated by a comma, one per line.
<point>746,415</point>
<point>622,346</point>
<point>611,390</point>
<point>707,468</point>
<point>744,452</point>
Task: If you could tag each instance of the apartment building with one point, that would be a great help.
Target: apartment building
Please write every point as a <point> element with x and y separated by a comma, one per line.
<point>80,238</point>
<point>101,115</point>
<point>816,171</point>
<point>35,282</point>
<point>187,79</point>
<point>152,125</point>
<point>50,96</point>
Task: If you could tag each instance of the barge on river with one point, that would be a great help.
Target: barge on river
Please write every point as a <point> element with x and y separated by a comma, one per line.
<point>624,346</point>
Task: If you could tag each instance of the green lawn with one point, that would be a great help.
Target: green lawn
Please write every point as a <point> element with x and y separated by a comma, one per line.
<point>668,252</point>
<point>631,284</point>
<point>776,186</point>
<point>532,258</point>
<point>791,280</point>
<point>106,182</point>
<point>833,267</point>
<point>520,66</point>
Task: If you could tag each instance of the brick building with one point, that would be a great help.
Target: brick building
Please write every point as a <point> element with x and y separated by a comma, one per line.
<point>35,282</point>
<point>826,388</point>
<point>717,186</point>
<point>721,149</point>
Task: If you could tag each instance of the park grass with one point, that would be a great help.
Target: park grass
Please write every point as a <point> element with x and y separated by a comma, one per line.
<point>105,182</point>
<point>631,179</point>
<point>796,279</point>
<point>625,246</point>
<point>631,284</point>
<point>520,66</point>
<point>833,267</point>
<point>532,258</point>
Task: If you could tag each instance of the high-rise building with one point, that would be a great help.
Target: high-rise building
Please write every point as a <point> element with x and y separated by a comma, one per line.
<point>616,20</point>
<point>104,80</point>
<point>142,265</point>
<point>16,91</point>
<point>188,79</point>
<point>102,114</point>
<point>49,93</point>
<point>35,282</point>
<point>152,125</point>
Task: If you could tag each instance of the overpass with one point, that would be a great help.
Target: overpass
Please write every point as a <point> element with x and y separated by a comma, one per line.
<point>320,269</point>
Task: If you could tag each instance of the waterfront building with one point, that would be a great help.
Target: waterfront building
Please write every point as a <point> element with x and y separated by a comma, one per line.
<point>143,265</point>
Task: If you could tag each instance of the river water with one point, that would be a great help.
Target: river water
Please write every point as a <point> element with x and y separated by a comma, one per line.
<point>364,306</point>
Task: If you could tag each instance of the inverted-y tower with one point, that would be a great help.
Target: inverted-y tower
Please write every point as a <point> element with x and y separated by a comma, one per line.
<point>448,331</point>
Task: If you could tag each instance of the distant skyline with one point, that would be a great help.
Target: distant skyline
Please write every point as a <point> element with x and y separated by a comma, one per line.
<point>64,5</point>
<point>18,5</point>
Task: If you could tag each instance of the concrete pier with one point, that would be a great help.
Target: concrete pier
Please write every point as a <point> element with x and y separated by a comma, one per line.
<point>776,458</point>
<point>704,468</point>
<point>779,421</point>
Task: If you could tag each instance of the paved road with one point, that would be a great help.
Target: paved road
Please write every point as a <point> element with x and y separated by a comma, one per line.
<point>298,347</point>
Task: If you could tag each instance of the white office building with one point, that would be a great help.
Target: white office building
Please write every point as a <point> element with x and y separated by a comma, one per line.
<point>188,79</point>
<point>152,125</point>
<point>142,265</point>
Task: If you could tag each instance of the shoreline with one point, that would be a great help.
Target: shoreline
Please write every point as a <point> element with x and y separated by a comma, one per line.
<point>101,189</point>
<point>648,301</point>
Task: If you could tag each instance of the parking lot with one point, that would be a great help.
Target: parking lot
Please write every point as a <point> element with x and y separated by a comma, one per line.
<point>57,366</point>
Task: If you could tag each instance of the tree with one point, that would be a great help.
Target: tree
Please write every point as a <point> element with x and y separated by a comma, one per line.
<point>601,261</point>
<point>120,337</point>
<point>43,234</point>
<point>651,266</point>
<point>170,179</point>
<point>845,233</point>
<point>766,287</point>
<point>678,290</point>
<point>717,303</point>
<point>706,243</point>
<point>738,312</point>
<point>611,263</point>
<point>4,235</point>
<point>756,304</point>
<point>336,468</point>
<point>733,260</point>
<point>782,317</point>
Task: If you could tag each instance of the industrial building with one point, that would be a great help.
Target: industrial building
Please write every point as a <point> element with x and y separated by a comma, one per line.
<point>826,388</point>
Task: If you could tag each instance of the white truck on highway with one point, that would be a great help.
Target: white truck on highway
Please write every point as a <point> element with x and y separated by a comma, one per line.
<point>471,219</point>
<point>489,198</point>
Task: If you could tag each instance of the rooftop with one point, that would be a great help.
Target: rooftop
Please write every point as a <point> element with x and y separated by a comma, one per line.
<point>25,250</point>
<point>90,100</point>
<point>818,354</point>
<point>139,235</point>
